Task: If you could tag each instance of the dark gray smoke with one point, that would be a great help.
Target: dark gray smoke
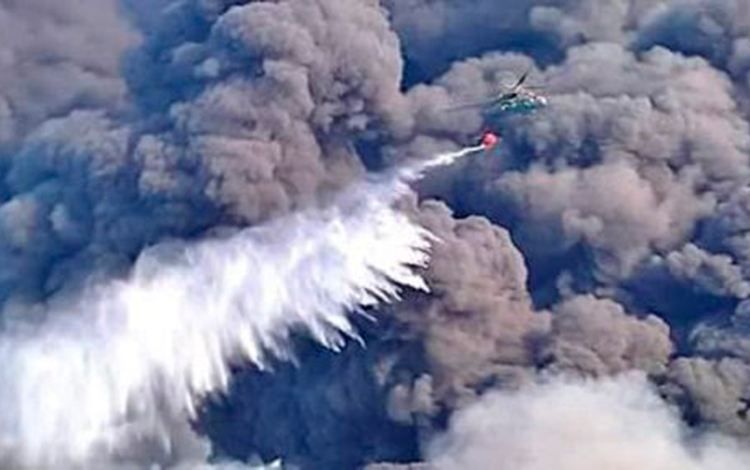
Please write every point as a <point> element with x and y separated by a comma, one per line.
<point>258,126</point>
<point>607,232</point>
<point>56,57</point>
<point>628,187</point>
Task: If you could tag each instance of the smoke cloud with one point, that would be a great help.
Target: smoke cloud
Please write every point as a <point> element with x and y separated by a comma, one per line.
<point>57,57</point>
<point>133,357</point>
<point>626,426</point>
<point>605,233</point>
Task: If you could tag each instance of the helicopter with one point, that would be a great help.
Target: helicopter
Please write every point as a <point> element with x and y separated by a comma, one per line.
<point>516,99</point>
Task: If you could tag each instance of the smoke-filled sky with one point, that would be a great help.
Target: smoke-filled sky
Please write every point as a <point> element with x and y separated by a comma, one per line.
<point>591,278</point>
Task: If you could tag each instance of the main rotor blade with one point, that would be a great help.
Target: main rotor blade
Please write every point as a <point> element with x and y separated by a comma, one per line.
<point>475,104</point>
<point>523,78</point>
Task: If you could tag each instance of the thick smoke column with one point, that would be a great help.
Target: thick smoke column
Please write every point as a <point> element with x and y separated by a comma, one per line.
<point>617,229</point>
<point>128,356</point>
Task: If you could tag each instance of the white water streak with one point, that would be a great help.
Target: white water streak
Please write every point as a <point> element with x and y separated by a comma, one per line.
<point>106,370</point>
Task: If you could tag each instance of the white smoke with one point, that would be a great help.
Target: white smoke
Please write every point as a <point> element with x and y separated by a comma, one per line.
<point>614,424</point>
<point>123,362</point>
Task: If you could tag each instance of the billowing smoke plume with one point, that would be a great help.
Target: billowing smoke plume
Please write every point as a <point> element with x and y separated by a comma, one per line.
<point>625,192</point>
<point>134,357</point>
<point>607,232</point>
<point>614,423</point>
<point>625,198</point>
<point>229,123</point>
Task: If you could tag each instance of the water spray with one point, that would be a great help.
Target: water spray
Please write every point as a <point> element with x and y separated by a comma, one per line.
<point>117,364</point>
